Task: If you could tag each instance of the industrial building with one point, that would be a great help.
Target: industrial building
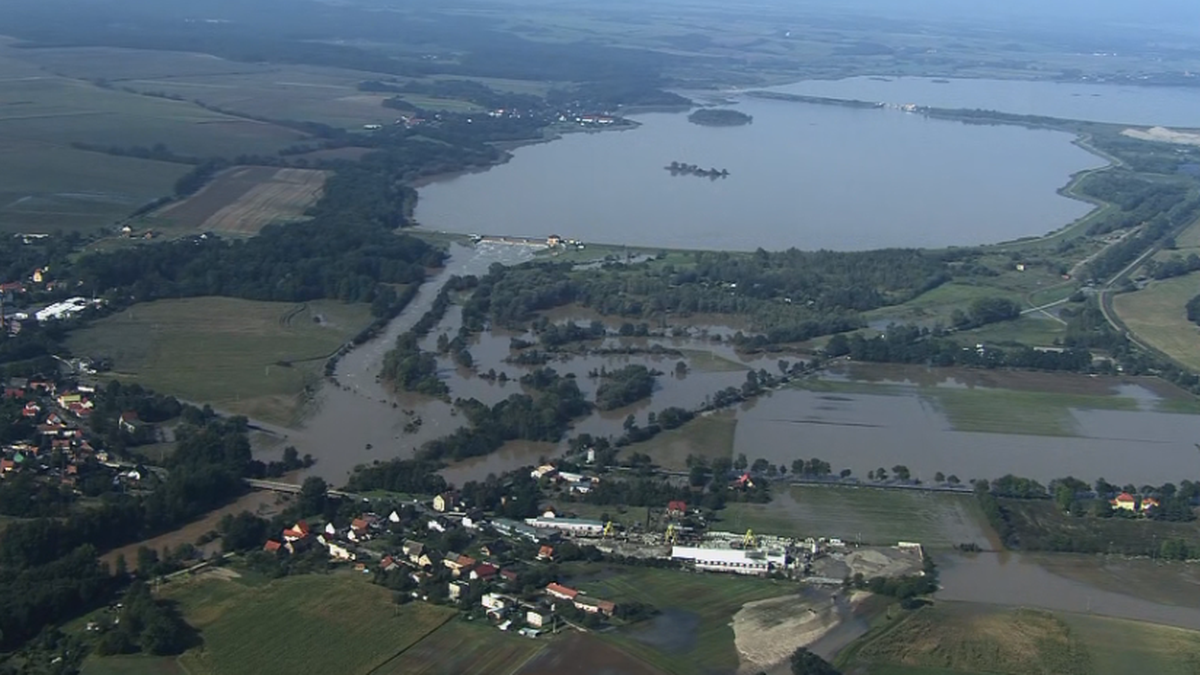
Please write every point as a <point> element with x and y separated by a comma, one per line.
<point>574,526</point>
<point>736,560</point>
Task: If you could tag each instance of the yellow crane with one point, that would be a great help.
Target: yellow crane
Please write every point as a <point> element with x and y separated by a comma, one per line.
<point>749,541</point>
<point>672,534</point>
<point>608,529</point>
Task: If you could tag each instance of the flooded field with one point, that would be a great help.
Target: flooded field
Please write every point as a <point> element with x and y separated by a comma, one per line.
<point>1019,580</point>
<point>971,424</point>
<point>586,655</point>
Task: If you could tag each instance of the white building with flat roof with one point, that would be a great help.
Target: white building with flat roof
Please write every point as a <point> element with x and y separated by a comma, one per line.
<point>738,561</point>
<point>575,526</point>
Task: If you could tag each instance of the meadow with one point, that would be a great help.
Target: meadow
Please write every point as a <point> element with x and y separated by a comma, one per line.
<point>460,647</point>
<point>868,515</point>
<point>696,635</point>
<point>710,436</point>
<point>1156,315</point>
<point>338,623</point>
<point>949,638</point>
<point>248,357</point>
<point>241,200</point>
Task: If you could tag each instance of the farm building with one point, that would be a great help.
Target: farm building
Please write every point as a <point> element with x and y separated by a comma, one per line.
<point>738,561</point>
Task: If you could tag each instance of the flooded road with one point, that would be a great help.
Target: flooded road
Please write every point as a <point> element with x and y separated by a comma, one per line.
<point>1015,580</point>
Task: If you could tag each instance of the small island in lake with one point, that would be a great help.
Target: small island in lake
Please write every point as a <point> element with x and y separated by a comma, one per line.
<point>681,169</point>
<point>719,117</point>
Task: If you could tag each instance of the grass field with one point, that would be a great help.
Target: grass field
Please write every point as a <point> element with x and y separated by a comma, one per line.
<point>223,351</point>
<point>870,515</point>
<point>1156,315</point>
<point>244,199</point>
<point>313,624</point>
<point>708,600</point>
<point>709,436</point>
<point>465,648</point>
<point>951,638</point>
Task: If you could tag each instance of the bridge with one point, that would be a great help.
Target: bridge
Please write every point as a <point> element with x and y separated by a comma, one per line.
<point>292,488</point>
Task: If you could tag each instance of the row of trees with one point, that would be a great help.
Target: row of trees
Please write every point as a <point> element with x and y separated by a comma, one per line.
<point>911,344</point>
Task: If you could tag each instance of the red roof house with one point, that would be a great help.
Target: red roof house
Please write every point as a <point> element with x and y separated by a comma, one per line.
<point>272,546</point>
<point>560,591</point>
<point>545,553</point>
<point>676,507</point>
<point>484,571</point>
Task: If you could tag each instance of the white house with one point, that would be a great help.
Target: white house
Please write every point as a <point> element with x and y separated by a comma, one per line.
<point>493,601</point>
<point>338,552</point>
<point>535,618</point>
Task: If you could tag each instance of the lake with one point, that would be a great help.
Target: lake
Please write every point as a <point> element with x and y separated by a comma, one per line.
<point>1120,104</point>
<point>801,175</point>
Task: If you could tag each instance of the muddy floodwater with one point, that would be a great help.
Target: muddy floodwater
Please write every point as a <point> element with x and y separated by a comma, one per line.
<point>1012,579</point>
<point>872,416</point>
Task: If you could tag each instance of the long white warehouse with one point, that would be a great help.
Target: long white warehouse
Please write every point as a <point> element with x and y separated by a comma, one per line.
<point>738,561</point>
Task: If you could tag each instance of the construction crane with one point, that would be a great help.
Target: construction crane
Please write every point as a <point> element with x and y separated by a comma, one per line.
<point>608,529</point>
<point>749,541</point>
<point>672,534</point>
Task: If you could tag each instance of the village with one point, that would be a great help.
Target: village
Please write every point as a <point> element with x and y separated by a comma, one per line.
<point>508,571</point>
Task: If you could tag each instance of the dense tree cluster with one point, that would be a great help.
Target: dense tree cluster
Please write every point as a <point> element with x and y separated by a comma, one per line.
<point>409,476</point>
<point>146,624</point>
<point>1175,266</point>
<point>1138,199</point>
<point>35,596</point>
<point>1160,225</point>
<point>910,344</point>
<point>624,386</point>
<point>409,368</point>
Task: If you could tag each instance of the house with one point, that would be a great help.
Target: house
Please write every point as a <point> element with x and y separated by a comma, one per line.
<point>535,618</point>
<point>1124,501</point>
<point>561,592</point>
<point>14,392</point>
<point>546,553</point>
<point>457,563</point>
<point>484,572</point>
<point>31,409</point>
<point>493,601</point>
<point>68,398</point>
<point>394,517</point>
<point>445,501</point>
<point>543,471</point>
<point>1149,503</point>
<point>413,550</point>
<point>7,465</point>
<point>743,481</point>
<point>594,606</point>
<point>296,532</point>
<point>457,589</point>
<point>339,552</point>
<point>129,422</point>
<point>509,576</point>
<point>438,524</point>
<point>272,546</point>
<point>388,563</point>
<point>330,529</point>
<point>676,508</point>
<point>554,240</point>
<point>581,487</point>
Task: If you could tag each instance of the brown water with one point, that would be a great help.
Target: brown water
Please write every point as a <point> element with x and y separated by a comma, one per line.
<point>865,431</point>
<point>359,420</point>
<point>1011,579</point>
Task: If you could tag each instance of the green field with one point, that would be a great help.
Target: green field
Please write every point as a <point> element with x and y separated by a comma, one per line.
<point>223,351</point>
<point>870,515</point>
<point>710,598</point>
<point>1008,411</point>
<point>1156,315</point>
<point>708,436</point>
<point>462,648</point>
<point>47,185</point>
<point>951,638</point>
<point>1039,525</point>
<point>312,624</point>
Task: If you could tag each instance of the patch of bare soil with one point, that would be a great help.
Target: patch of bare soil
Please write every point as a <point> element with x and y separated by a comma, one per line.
<point>767,632</point>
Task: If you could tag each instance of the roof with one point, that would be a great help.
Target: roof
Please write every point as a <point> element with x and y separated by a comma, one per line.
<point>511,575</point>
<point>545,551</point>
<point>127,416</point>
<point>676,505</point>
<point>272,545</point>
<point>465,561</point>
<point>558,589</point>
<point>359,524</point>
<point>486,570</point>
<point>1125,497</point>
<point>302,526</point>
<point>297,534</point>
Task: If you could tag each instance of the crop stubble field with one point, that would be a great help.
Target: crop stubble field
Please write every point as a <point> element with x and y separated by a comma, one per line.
<point>243,199</point>
<point>224,351</point>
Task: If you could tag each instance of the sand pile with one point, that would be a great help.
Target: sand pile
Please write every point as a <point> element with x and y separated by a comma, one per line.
<point>766,632</point>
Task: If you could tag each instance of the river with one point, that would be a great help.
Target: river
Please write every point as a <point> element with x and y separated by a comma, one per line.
<point>801,175</point>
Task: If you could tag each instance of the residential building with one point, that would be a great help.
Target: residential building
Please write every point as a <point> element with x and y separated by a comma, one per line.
<point>484,572</point>
<point>272,546</point>
<point>413,550</point>
<point>561,592</point>
<point>339,552</point>
<point>493,601</point>
<point>546,553</point>
<point>457,590</point>
<point>542,471</point>
<point>445,501</point>
<point>676,508</point>
<point>1124,501</point>
<point>594,606</point>
<point>536,619</point>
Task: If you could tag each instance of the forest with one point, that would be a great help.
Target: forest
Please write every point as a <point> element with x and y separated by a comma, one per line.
<point>719,117</point>
<point>624,386</point>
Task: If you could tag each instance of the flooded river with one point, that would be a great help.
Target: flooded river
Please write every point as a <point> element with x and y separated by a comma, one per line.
<point>901,420</point>
<point>1013,579</point>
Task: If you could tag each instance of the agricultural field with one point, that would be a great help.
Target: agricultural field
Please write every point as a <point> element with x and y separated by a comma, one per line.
<point>868,515</point>
<point>247,357</point>
<point>586,655</point>
<point>949,638</point>
<point>463,648</point>
<point>709,436</point>
<point>241,200</point>
<point>1156,315</point>
<point>694,632</point>
<point>48,185</point>
<point>1163,582</point>
<point>299,624</point>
